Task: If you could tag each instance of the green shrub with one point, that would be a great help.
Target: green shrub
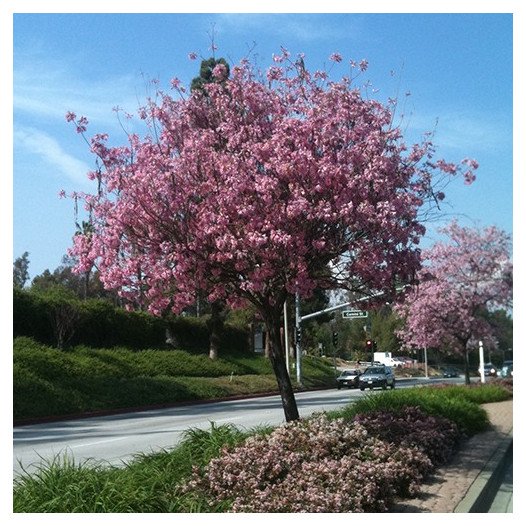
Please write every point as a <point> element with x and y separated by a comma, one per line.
<point>466,414</point>
<point>478,393</point>
<point>100,324</point>
<point>30,317</point>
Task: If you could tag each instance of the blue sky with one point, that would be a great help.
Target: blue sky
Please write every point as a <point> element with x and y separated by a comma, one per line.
<point>457,67</point>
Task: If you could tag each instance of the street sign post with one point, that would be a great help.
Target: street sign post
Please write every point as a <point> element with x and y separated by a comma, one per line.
<point>354,314</point>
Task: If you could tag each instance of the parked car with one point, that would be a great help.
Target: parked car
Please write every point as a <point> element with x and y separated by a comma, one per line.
<point>450,372</point>
<point>507,369</point>
<point>489,370</point>
<point>407,361</point>
<point>349,378</point>
<point>377,376</point>
<point>399,362</point>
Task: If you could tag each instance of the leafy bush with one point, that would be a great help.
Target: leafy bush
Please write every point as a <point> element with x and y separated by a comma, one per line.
<point>469,417</point>
<point>435,436</point>
<point>316,465</point>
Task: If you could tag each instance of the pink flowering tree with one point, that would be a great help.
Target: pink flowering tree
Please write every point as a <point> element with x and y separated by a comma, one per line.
<point>248,190</point>
<point>460,281</point>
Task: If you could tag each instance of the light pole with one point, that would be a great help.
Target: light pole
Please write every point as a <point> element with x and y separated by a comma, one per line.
<point>481,360</point>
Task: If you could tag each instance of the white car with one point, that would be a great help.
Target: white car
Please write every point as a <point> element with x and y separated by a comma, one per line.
<point>349,378</point>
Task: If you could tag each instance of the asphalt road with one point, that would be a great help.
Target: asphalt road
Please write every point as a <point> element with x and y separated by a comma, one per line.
<point>117,438</point>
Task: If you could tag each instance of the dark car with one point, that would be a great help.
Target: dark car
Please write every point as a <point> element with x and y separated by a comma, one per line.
<point>377,376</point>
<point>349,378</point>
<point>450,372</point>
<point>489,370</point>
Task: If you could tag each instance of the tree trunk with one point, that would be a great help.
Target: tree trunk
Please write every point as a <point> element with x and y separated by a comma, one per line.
<point>267,343</point>
<point>215,327</point>
<point>279,365</point>
<point>466,365</point>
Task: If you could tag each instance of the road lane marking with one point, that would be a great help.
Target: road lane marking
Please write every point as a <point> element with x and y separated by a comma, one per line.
<point>99,442</point>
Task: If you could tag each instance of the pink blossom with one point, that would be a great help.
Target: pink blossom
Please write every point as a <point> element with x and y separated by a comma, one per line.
<point>192,55</point>
<point>460,281</point>
<point>471,163</point>
<point>314,466</point>
<point>274,73</point>
<point>219,72</point>
<point>335,57</point>
<point>70,116</point>
<point>82,124</point>
<point>242,193</point>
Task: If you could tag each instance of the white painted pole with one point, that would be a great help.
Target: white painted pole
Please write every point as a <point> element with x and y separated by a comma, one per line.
<point>481,360</point>
<point>298,343</point>
<point>286,329</point>
<point>425,362</point>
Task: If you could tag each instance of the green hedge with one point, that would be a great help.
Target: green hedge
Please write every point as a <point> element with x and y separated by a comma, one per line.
<point>100,324</point>
<point>48,382</point>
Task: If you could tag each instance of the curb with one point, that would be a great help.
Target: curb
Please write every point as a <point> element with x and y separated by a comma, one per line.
<point>480,495</point>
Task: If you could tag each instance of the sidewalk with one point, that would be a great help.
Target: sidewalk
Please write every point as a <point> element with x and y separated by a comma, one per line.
<point>465,481</point>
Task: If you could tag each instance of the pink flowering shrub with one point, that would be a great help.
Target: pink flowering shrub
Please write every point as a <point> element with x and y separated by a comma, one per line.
<point>435,436</point>
<point>314,465</point>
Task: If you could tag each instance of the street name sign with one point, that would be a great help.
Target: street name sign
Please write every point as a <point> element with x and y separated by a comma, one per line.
<point>354,314</point>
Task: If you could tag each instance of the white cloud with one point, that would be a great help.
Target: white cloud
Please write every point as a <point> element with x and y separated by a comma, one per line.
<point>39,143</point>
<point>462,131</point>
<point>46,90</point>
<point>300,26</point>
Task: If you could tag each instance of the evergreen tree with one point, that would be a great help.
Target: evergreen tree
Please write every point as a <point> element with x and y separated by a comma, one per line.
<point>21,270</point>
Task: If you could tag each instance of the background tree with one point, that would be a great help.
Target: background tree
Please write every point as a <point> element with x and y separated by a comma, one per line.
<point>502,324</point>
<point>460,282</point>
<point>84,285</point>
<point>21,270</point>
<point>206,75</point>
<point>217,308</point>
<point>247,190</point>
<point>384,328</point>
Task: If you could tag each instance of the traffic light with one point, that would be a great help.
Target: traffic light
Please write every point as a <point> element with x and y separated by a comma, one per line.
<point>335,339</point>
<point>369,345</point>
<point>298,334</point>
